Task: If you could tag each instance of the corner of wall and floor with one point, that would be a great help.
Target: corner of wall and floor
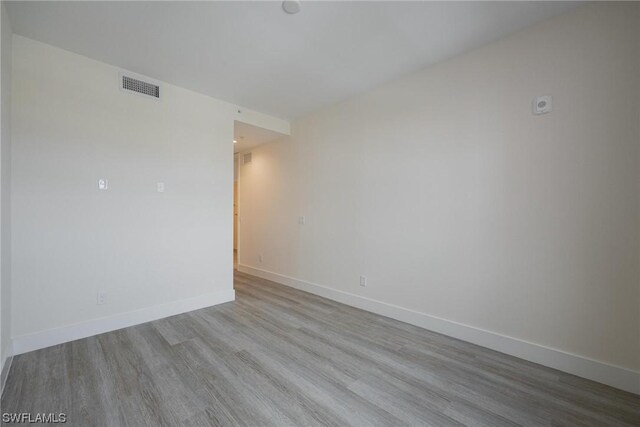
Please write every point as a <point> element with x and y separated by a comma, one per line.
<point>619,377</point>
<point>4,374</point>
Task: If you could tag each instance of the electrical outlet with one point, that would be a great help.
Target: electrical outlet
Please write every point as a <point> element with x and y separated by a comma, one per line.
<point>103,184</point>
<point>102,297</point>
<point>302,220</point>
<point>363,281</point>
<point>259,258</point>
<point>160,187</point>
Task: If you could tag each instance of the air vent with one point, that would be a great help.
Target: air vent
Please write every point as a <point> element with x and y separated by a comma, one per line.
<point>246,158</point>
<point>131,84</point>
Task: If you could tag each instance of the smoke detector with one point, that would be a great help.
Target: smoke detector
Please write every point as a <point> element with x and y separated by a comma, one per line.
<point>291,6</point>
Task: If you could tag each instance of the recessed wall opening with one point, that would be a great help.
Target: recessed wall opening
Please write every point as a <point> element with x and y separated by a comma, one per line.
<point>246,138</point>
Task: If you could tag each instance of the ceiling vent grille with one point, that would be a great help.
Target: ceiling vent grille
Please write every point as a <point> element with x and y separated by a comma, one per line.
<point>131,84</point>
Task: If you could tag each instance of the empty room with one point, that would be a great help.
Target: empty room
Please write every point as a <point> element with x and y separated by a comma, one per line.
<point>320,213</point>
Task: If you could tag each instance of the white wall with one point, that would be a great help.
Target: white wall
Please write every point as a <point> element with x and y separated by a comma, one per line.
<point>153,253</point>
<point>262,120</point>
<point>456,202</point>
<point>5,187</point>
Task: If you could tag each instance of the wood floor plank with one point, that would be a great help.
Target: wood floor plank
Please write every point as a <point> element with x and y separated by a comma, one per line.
<point>282,357</point>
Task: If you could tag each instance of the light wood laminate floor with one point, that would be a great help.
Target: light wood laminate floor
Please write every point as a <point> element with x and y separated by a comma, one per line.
<point>278,356</point>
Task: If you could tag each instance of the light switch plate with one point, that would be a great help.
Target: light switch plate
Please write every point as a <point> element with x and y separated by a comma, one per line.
<point>160,187</point>
<point>103,184</point>
<point>102,298</point>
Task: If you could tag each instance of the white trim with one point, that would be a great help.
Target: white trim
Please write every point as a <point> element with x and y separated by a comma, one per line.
<point>4,370</point>
<point>615,376</point>
<point>38,340</point>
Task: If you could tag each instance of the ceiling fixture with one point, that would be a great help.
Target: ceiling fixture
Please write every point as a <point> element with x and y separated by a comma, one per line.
<point>234,141</point>
<point>291,6</point>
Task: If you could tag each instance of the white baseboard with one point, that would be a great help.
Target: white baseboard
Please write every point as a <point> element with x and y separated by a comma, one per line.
<point>50,337</point>
<point>4,370</point>
<point>615,376</point>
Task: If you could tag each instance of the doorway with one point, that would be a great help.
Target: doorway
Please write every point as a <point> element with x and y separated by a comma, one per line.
<point>247,140</point>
